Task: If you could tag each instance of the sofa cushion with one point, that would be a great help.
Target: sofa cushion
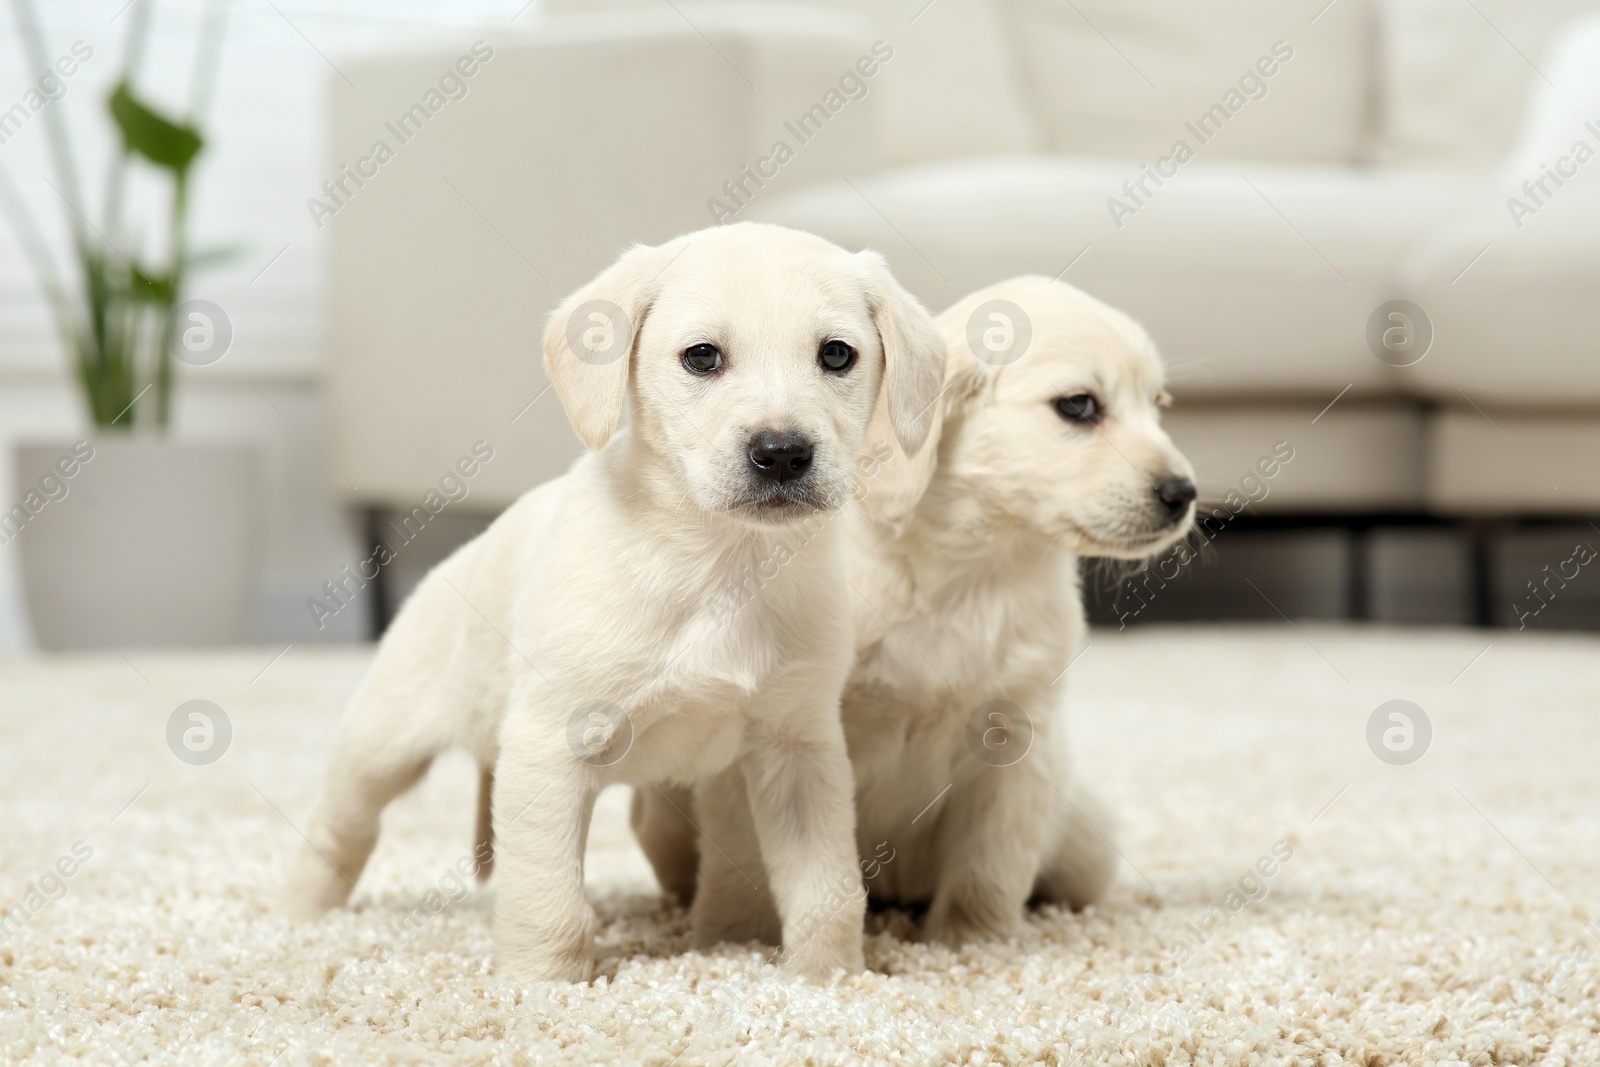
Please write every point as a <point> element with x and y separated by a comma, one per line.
<point>1521,324</point>
<point>950,89</point>
<point>1457,75</point>
<point>1123,77</point>
<point>1254,281</point>
<point>1513,463</point>
<point>1355,456</point>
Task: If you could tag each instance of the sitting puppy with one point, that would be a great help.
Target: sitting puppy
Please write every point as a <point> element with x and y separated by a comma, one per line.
<point>573,644</point>
<point>965,562</point>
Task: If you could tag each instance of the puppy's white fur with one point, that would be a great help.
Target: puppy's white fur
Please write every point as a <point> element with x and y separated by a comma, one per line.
<point>599,587</point>
<point>966,561</point>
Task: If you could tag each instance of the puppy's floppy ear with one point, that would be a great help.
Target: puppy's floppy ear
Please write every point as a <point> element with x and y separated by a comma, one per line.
<point>589,343</point>
<point>913,355</point>
<point>889,483</point>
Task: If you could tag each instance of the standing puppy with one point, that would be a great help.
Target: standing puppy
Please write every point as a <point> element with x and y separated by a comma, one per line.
<point>965,558</point>
<point>574,643</point>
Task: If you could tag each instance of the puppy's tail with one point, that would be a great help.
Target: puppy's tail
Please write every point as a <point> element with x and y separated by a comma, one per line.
<point>483,840</point>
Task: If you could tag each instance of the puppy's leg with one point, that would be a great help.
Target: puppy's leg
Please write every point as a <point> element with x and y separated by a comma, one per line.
<point>802,802</point>
<point>543,799</point>
<point>385,743</point>
<point>734,901</point>
<point>661,820</point>
<point>991,834</point>
<point>1081,859</point>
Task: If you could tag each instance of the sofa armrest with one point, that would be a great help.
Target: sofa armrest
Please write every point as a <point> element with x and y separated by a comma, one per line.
<point>1562,101</point>
<point>502,191</point>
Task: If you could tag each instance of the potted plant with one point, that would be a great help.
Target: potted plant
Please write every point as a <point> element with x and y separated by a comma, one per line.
<point>124,535</point>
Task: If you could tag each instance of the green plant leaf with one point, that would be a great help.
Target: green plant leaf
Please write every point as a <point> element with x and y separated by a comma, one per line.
<point>160,140</point>
<point>150,288</point>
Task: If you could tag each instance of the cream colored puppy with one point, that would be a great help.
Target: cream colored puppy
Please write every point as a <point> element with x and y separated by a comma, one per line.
<point>1049,446</point>
<point>575,643</point>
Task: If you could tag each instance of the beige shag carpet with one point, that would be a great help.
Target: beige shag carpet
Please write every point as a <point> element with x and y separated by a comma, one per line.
<point>1438,913</point>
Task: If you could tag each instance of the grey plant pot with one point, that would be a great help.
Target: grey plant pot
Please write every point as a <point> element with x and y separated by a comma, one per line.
<point>145,543</point>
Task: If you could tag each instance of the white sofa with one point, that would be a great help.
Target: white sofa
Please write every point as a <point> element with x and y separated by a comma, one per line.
<point>1357,151</point>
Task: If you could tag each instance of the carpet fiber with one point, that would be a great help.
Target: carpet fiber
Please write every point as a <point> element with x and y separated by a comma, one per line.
<point>1439,912</point>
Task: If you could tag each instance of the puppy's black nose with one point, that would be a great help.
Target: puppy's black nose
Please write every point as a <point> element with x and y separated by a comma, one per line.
<point>780,457</point>
<point>1176,494</point>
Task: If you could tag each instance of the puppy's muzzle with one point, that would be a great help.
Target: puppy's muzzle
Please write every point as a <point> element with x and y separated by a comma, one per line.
<point>780,457</point>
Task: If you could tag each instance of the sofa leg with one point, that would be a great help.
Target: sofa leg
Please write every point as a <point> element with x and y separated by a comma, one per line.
<point>378,601</point>
<point>1358,573</point>
<point>1481,577</point>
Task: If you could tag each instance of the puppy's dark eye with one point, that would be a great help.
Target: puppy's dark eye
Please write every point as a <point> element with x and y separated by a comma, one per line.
<point>836,356</point>
<point>702,359</point>
<point>1081,407</point>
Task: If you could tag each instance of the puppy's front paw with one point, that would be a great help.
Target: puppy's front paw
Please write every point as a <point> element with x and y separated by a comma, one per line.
<point>526,968</point>
<point>545,947</point>
<point>298,908</point>
<point>815,964</point>
<point>314,887</point>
